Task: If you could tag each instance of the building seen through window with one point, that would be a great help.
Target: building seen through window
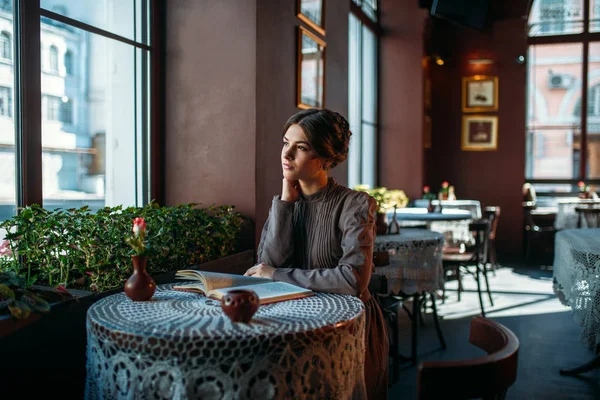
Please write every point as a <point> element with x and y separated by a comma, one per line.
<point>92,97</point>
<point>557,146</point>
<point>5,46</point>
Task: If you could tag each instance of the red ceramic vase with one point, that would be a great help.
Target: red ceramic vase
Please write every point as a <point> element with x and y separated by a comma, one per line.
<point>140,286</point>
<point>240,305</point>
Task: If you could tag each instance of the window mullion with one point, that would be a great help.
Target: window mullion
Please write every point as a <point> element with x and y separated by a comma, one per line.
<point>28,103</point>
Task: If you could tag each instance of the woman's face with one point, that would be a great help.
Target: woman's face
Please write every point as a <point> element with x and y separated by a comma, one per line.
<point>298,159</point>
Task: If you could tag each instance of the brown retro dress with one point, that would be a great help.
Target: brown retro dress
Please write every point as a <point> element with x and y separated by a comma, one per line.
<point>324,242</point>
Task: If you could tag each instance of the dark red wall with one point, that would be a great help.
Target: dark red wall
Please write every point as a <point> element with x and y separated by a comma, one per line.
<point>493,177</point>
<point>401,96</point>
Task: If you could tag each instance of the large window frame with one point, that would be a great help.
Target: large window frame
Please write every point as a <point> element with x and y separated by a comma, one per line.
<point>584,38</point>
<point>367,13</point>
<point>28,98</point>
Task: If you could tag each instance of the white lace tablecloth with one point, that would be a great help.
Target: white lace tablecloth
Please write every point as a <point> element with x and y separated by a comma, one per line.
<point>452,222</point>
<point>182,346</point>
<point>472,206</point>
<point>415,261</point>
<point>577,278</point>
<point>567,217</point>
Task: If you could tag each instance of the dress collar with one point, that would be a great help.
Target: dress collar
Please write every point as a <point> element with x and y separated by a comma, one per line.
<point>321,194</point>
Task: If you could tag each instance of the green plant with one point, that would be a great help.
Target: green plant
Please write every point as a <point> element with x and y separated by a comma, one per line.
<point>386,199</point>
<point>19,301</point>
<point>79,248</point>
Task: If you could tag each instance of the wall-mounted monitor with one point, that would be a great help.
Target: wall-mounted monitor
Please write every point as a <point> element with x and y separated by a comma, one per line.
<point>469,13</point>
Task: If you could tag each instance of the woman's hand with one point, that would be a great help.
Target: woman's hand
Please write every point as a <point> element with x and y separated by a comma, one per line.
<point>290,190</point>
<point>261,271</point>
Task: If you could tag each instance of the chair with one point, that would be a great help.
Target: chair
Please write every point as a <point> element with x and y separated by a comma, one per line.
<point>532,230</point>
<point>487,377</point>
<point>457,262</point>
<point>389,305</point>
<point>493,214</point>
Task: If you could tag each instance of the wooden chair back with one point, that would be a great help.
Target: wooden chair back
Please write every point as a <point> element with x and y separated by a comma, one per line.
<point>486,377</point>
<point>493,214</point>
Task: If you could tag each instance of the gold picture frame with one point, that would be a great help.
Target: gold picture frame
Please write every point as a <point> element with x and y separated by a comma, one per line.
<point>311,70</point>
<point>479,133</point>
<point>312,13</point>
<point>480,93</point>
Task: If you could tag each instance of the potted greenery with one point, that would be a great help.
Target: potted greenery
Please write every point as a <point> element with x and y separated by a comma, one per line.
<point>387,200</point>
<point>76,249</point>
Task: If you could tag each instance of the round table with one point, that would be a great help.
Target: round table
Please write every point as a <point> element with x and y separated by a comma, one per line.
<point>181,345</point>
<point>567,217</point>
<point>415,261</point>
<point>577,283</point>
<point>453,223</point>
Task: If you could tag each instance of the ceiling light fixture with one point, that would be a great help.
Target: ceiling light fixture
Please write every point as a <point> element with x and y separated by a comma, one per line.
<point>481,61</point>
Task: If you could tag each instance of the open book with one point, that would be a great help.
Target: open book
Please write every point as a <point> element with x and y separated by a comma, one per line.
<point>216,285</point>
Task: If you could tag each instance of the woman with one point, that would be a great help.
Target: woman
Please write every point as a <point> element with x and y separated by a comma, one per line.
<point>319,235</point>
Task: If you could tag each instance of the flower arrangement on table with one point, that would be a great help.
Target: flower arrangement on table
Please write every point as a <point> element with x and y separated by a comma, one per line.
<point>586,191</point>
<point>427,195</point>
<point>387,199</point>
<point>444,191</point>
<point>140,286</point>
<point>138,240</point>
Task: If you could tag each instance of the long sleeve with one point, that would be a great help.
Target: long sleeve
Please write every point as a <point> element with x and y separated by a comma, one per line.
<point>276,247</point>
<point>353,272</point>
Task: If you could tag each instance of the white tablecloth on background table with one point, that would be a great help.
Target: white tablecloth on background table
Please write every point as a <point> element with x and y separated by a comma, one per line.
<point>181,345</point>
<point>472,206</point>
<point>453,223</point>
<point>415,261</point>
<point>577,278</point>
<point>567,217</point>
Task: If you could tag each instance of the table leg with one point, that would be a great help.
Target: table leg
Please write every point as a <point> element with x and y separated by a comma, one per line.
<point>594,364</point>
<point>415,326</point>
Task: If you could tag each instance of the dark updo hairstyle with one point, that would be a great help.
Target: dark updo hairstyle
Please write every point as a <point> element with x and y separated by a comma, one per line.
<point>327,132</point>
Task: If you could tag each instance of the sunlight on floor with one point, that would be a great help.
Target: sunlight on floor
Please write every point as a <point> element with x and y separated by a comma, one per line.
<point>514,293</point>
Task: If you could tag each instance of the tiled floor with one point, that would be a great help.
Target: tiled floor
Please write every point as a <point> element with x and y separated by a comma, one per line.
<point>524,302</point>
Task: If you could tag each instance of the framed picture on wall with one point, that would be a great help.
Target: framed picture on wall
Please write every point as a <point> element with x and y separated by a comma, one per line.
<point>311,70</point>
<point>480,93</point>
<point>479,132</point>
<point>312,13</point>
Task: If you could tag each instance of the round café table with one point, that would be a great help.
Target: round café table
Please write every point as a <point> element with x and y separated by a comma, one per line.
<point>181,345</point>
<point>453,223</point>
<point>415,269</point>
<point>576,273</point>
<point>415,261</point>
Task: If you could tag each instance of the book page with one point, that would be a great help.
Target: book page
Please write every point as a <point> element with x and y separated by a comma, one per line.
<point>217,280</point>
<point>195,287</point>
<point>269,292</point>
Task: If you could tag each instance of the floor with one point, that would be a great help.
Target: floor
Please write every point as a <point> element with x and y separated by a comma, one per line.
<point>525,303</point>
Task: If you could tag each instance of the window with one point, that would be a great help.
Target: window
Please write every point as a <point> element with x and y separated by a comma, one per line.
<point>66,111</point>
<point>109,95</point>
<point>52,108</point>
<point>69,62</point>
<point>6,102</point>
<point>5,46</point>
<point>69,164</point>
<point>563,139</point>
<point>362,94</point>
<point>8,175</point>
<point>53,59</point>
